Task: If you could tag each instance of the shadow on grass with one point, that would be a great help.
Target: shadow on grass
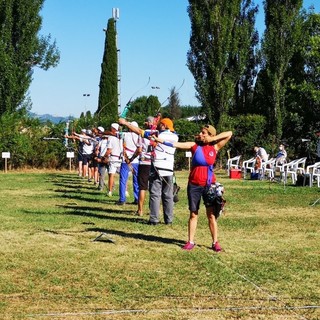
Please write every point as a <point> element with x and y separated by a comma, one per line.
<point>135,236</point>
<point>81,195</point>
<point>80,190</point>
<point>83,212</point>
<point>88,211</point>
<point>95,212</point>
<point>70,185</point>
<point>76,186</point>
<point>65,177</point>
<point>104,235</point>
<point>65,181</point>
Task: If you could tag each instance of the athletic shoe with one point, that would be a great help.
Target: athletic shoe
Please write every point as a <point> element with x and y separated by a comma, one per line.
<point>120,203</point>
<point>188,246</point>
<point>152,223</point>
<point>216,247</point>
<point>127,194</point>
<point>110,194</point>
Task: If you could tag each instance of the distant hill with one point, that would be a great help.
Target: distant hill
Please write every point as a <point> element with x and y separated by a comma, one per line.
<point>49,117</point>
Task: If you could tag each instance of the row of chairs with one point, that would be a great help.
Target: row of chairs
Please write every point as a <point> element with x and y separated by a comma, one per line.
<point>268,169</point>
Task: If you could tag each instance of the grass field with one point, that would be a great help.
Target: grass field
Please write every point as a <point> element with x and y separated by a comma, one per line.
<point>51,267</point>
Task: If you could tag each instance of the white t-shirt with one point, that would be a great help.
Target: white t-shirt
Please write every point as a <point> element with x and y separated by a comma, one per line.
<point>103,145</point>
<point>87,148</point>
<point>164,155</point>
<point>145,156</point>
<point>262,153</point>
<point>115,144</point>
<point>130,144</point>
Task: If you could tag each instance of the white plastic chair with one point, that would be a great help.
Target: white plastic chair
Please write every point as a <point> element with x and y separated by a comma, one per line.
<point>248,166</point>
<point>295,167</point>
<point>284,169</point>
<point>311,173</point>
<point>316,174</point>
<point>279,166</point>
<point>233,163</point>
<point>267,168</point>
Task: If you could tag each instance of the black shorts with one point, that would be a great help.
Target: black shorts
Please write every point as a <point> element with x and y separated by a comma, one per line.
<point>80,156</point>
<point>93,163</point>
<point>143,176</point>
<point>86,158</point>
<point>195,193</point>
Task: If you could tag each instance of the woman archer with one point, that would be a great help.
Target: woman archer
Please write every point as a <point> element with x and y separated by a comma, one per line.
<point>204,151</point>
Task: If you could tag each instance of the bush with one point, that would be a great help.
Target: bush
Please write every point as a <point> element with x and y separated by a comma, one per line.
<point>248,131</point>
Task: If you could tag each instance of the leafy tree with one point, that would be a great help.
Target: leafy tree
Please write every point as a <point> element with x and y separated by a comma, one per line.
<point>138,105</point>
<point>302,118</point>
<point>152,105</point>
<point>248,131</point>
<point>190,111</point>
<point>21,49</point>
<point>245,86</point>
<point>142,107</point>
<point>108,93</point>
<point>283,31</point>
<point>186,131</point>
<point>221,36</point>
<point>22,136</point>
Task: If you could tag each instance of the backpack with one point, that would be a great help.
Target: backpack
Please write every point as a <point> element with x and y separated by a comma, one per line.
<point>213,196</point>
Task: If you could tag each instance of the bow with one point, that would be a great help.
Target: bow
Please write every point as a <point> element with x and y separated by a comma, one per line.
<point>128,105</point>
<point>157,116</point>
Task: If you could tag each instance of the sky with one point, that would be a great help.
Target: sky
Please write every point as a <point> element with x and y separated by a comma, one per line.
<point>153,39</point>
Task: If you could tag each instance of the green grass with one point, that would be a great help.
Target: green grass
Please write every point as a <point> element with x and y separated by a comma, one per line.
<point>50,266</point>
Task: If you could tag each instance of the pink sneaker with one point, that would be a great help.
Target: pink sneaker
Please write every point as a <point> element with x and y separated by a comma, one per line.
<point>188,246</point>
<point>216,247</point>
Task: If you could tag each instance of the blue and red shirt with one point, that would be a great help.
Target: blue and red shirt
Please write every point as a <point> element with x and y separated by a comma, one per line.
<point>203,157</point>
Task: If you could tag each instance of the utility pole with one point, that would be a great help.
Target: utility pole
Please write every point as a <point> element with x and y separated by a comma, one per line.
<point>116,17</point>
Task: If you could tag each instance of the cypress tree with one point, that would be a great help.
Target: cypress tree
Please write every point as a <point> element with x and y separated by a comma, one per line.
<point>108,92</point>
<point>174,104</point>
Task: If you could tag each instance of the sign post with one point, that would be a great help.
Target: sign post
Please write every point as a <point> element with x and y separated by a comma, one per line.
<point>70,155</point>
<point>188,155</point>
<point>5,156</point>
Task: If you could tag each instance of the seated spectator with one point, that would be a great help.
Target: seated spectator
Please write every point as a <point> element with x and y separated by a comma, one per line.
<point>281,156</point>
<point>261,153</point>
<point>261,156</point>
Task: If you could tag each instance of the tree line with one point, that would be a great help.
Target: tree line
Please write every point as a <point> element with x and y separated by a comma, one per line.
<point>265,88</point>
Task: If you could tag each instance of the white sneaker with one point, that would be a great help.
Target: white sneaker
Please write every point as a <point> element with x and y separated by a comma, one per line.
<point>127,194</point>
<point>110,194</point>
